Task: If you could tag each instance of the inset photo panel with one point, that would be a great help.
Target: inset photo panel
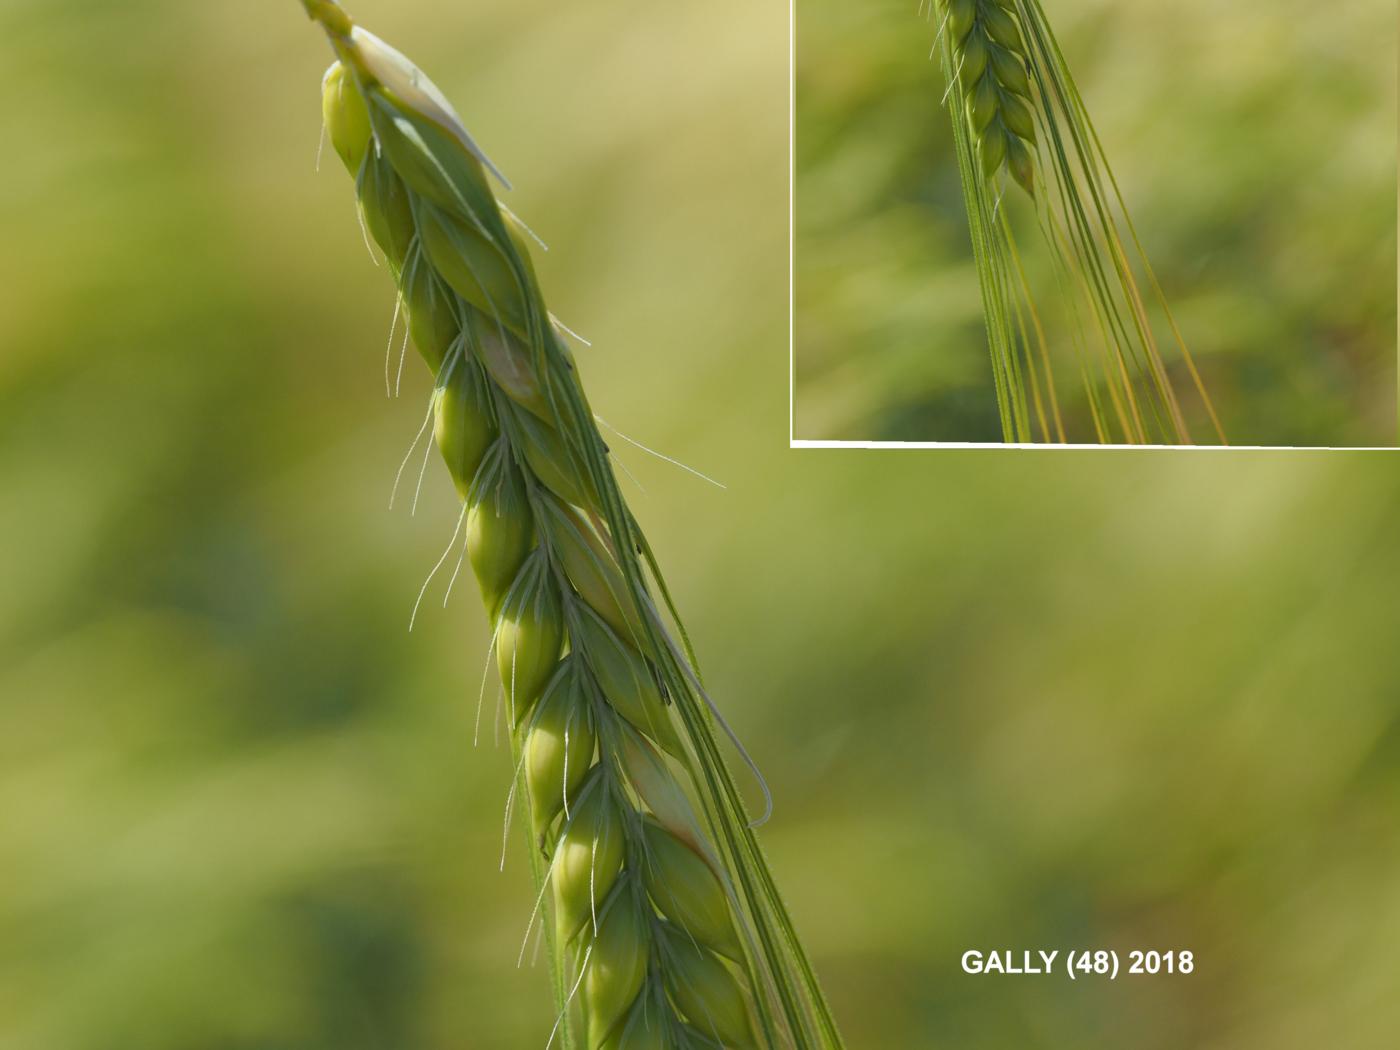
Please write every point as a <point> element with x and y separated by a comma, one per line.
<point>1094,223</point>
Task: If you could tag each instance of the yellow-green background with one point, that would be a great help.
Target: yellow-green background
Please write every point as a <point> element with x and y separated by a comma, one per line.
<point>1255,144</point>
<point>1003,700</point>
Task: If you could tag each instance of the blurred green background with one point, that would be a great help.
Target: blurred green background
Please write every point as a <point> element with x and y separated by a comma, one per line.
<point>1004,700</point>
<point>1255,143</point>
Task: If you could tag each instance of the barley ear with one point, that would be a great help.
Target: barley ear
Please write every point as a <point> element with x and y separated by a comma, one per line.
<point>638,832</point>
<point>1015,109</point>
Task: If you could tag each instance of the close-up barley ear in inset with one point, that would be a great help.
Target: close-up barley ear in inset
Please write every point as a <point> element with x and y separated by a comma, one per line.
<point>663,926</point>
<point>1024,138</point>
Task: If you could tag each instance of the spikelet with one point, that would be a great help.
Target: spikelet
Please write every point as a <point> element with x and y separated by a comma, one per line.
<point>616,970</point>
<point>529,634</point>
<point>589,856</point>
<point>463,425</point>
<point>686,891</point>
<point>704,989</point>
<point>559,745</point>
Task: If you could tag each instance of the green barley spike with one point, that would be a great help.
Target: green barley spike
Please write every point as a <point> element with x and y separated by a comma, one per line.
<point>667,927</point>
<point>1016,109</point>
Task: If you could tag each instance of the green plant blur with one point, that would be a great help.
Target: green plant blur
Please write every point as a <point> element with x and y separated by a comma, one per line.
<point>1255,143</point>
<point>1003,701</point>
